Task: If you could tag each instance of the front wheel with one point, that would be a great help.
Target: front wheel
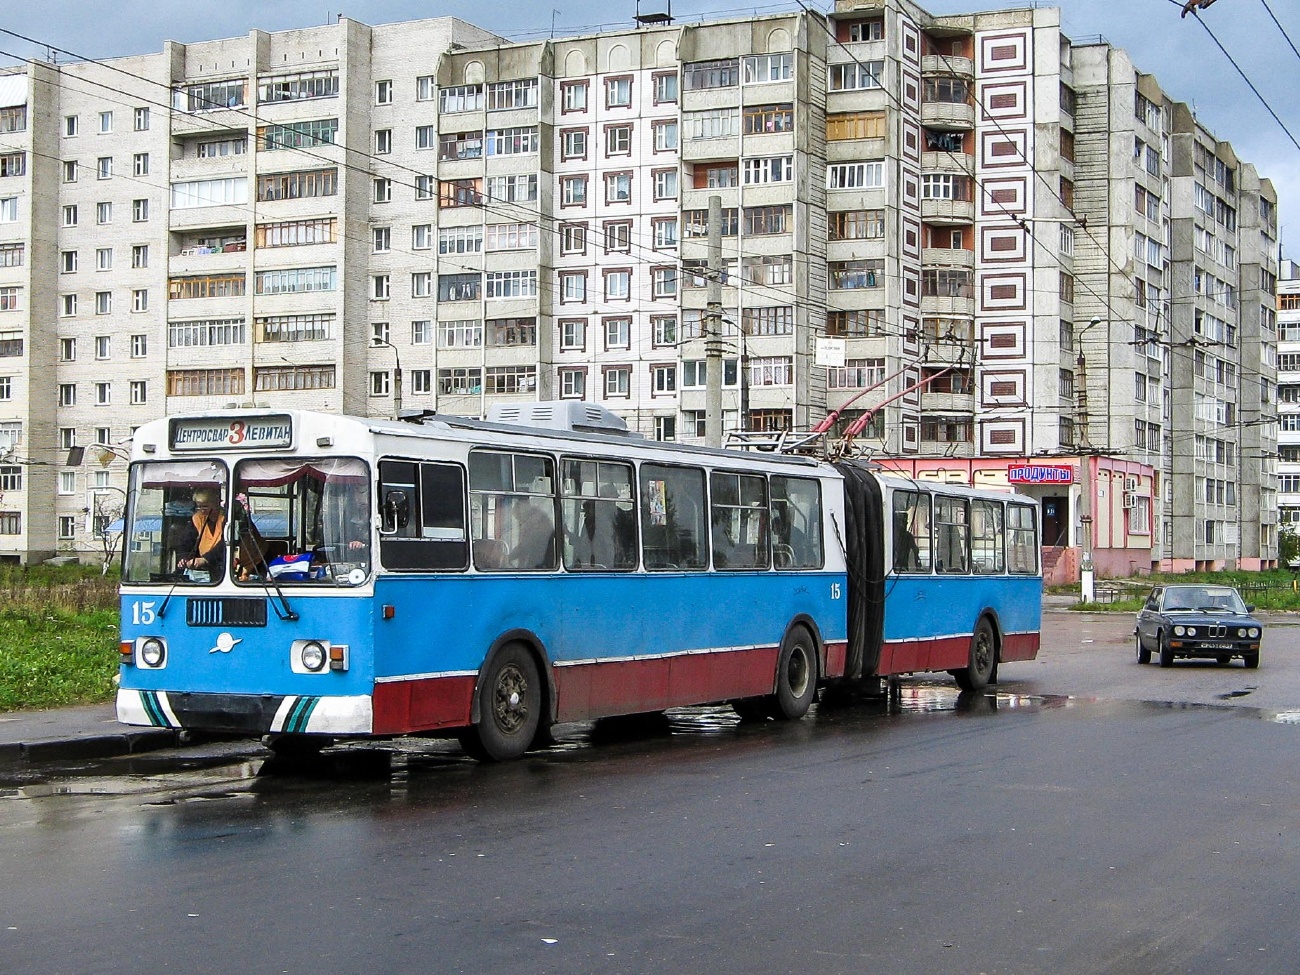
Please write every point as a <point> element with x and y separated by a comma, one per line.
<point>977,673</point>
<point>796,675</point>
<point>1144,655</point>
<point>1251,660</point>
<point>1166,651</point>
<point>510,707</point>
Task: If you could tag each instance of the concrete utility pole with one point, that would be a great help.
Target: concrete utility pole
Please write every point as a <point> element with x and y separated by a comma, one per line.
<point>713,329</point>
<point>1088,592</point>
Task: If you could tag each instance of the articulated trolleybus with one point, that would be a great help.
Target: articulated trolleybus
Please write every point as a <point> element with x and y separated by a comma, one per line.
<point>311,577</point>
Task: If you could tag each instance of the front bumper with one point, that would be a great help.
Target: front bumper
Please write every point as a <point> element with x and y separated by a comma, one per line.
<point>252,714</point>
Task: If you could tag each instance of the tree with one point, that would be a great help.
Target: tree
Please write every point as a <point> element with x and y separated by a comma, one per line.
<point>108,514</point>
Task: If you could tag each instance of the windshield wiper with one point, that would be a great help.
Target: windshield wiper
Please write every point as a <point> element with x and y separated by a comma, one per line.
<point>288,616</point>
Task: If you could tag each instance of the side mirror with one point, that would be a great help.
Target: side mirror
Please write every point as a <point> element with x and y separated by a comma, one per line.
<point>1250,608</point>
<point>396,513</point>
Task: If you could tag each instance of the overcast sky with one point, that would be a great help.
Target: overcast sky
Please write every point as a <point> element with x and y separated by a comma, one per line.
<point>1178,51</point>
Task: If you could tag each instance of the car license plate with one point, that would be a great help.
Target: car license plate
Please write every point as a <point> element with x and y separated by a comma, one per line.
<point>1216,646</point>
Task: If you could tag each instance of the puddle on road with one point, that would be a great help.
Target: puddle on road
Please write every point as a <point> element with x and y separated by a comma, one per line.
<point>232,771</point>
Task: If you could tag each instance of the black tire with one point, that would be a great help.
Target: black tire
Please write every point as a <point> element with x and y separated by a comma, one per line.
<point>796,675</point>
<point>1144,655</point>
<point>983,658</point>
<point>509,706</point>
<point>1224,659</point>
<point>1251,660</point>
<point>1166,651</point>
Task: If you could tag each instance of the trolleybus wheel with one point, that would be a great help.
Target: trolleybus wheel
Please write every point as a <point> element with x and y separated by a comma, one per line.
<point>796,675</point>
<point>510,707</point>
<point>975,676</point>
<point>1144,655</point>
<point>752,708</point>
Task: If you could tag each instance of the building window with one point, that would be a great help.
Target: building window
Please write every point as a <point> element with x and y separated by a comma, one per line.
<point>573,383</point>
<point>665,88</point>
<point>512,94</point>
<point>855,176</point>
<point>758,119</point>
<point>140,164</point>
<point>103,213</point>
<point>105,122</point>
<point>763,68</point>
<point>573,144</point>
<point>460,382</point>
<point>618,285</point>
<point>421,382</point>
<point>103,394</point>
<point>460,287</point>
<point>663,380</point>
<point>665,184</point>
<point>103,346</point>
<point>573,333</point>
<point>618,92</point>
<point>67,527</point>
<point>618,187</point>
<point>381,240</point>
<point>380,287</point>
<point>664,282</point>
<point>618,332</point>
<point>856,75</point>
<point>139,211</point>
<point>461,98</point>
<point>383,141</point>
<point>67,394</point>
<point>618,382</point>
<point>139,346</point>
<point>573,96</point>
<point>618,140</point>
<point>383,92</point>
<point>573,238</point>
<point>466,334</point>
<point>383,190</point>
<point>510,379</point>
<point>664,233</point>
<point>205,382</point>
<point>663,330</point>
<point>573,286</point>
<point>573,191</point>
<point>771,371</point>
<point>380,383</point>
<point>665,136</point>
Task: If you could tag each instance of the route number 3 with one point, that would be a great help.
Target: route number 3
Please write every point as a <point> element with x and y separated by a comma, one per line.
<point>142,614</point>
<point>835,590</point>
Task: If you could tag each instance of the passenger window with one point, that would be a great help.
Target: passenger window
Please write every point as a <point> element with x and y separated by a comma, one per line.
<point>951,534</point>
<point>512,511</point>
<point>739,521</point>
<point>599,515</point>
<point>673,517</point>
<point>796,523</point>
<point>911,531</point>
<point>423,515</point>
<point>1022,539</point>
<point>986,538</point>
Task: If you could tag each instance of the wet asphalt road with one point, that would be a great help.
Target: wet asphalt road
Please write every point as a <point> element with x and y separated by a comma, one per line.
<point>1041,829</point>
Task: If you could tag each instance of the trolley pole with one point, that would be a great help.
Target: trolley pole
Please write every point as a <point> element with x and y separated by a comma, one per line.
<point>713,329</point>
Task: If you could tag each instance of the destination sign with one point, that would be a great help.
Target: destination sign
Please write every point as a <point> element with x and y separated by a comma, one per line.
<point>240,433</point>
<point>1041,474</point>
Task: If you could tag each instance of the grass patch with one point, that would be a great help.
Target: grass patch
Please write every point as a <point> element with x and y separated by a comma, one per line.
<point>59,628</point>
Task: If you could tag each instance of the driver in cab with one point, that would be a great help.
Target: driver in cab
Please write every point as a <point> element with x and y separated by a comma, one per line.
<point>200,546</point>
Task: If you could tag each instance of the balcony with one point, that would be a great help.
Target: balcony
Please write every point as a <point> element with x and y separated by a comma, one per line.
<point>718,149</point>
<point>948,257</point>
<point>948,115</point>
<point>948,305</point>
<point>195,218</point>
<point>948,212</point>
<point>945,64</point>
<point>947,402</point>
<point>948,162</point>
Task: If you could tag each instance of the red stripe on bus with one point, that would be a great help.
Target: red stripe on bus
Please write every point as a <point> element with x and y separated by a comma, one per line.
<point>425,704</point>
<point>1019,646</point>
<point>595,690</point>
<point>836,659</point>
<point>911,656</point>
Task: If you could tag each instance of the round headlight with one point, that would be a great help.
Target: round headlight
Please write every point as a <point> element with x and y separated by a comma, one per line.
<point>313,655</point>
<point>1241,631</point>
<point>152,652</point>
<point>1178,631</point>
<point>1254,631</point>
<point>1190,631</point>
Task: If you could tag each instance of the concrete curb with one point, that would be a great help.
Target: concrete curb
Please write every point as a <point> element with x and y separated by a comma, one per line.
<point>86,747</point>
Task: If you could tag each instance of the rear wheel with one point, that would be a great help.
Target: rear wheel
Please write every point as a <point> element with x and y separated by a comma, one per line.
<point>1166,652</point>
<point>510,707</point>
<point>1144,655</point>
<point>983,656</point>
<point>796,675</point>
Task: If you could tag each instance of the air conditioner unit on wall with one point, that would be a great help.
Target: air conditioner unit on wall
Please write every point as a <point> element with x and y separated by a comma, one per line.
<point>1132,499</point>
<point>1130,484</point>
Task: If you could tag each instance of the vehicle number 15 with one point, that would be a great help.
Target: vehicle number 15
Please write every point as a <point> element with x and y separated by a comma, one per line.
<point>835,590</point>
<point>142,614</point>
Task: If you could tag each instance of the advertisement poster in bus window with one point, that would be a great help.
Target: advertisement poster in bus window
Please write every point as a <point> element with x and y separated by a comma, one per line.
<point>656,504</point>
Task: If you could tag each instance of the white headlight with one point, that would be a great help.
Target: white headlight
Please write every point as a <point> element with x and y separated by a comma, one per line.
<point>1241,631</point>
<point>1178,631</point>
<point>1190,631</point>
<point>152,652</point>
<point>1254,631</point>
<point>312,655</point>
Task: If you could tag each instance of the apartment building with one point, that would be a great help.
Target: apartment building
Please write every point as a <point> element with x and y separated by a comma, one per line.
<point>1288,397</point>
<point>340,216</point>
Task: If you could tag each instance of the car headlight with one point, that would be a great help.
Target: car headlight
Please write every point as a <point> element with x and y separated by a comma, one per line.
<point>1254,631</point>
<point>152,652</point>
<point>1242,631</point>
<point>312,655</point>
<point>1190,631</point>
<point>1178,631</point>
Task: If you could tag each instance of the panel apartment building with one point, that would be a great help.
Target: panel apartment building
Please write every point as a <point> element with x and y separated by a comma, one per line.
<point>283,218</point>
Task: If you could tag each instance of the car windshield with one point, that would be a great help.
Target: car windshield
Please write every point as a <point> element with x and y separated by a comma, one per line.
<point>1208,599</point>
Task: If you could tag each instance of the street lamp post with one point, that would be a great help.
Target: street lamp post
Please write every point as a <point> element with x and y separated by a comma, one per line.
<point>1088,592</point>
<point>397,376</point>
